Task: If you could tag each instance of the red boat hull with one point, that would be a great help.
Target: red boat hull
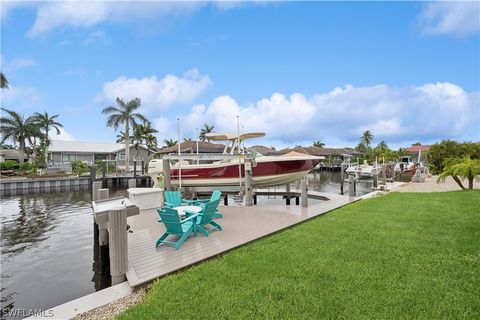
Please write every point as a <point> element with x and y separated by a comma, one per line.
<point>265,173</point>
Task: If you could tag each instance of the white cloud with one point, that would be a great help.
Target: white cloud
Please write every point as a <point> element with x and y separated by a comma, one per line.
<point>87,14</point>
<point>20,98</point>
<point>16,64</point>
<point>162,125</point>
<point>457,18</point>
<point>63,136</point>
<point>158,94</point>
<point>51,15</point>
<point>431,111</point>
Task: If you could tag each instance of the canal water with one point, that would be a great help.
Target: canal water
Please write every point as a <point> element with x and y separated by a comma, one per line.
<point>47,252</point>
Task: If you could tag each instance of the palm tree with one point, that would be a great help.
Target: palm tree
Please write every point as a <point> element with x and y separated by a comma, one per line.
<point>187,139</point>
<point>17,128</point>
<point>170,142</point>
<point>141,132</point>
<point>3,81</point>
<point>35,135</point>
<point>45,122</point>
<point>137,137</point>
<point>124,113</point>
<point>318,144</point>
<point>206,129</point>
<point>121,137</point>
<point>381,148</point>
<point>151,142</point>
<point>367,138</point>
<point>458,169</point>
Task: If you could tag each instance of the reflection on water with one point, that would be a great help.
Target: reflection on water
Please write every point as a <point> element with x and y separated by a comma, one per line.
<point>47,252</point>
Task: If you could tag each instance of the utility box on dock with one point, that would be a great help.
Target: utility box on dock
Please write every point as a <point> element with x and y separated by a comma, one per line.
<point>146,198</point>
<point>112,214</point>
<point>102,207</point>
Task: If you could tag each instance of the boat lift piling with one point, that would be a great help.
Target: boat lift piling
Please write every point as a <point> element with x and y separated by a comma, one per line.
<point>342,177</point>
<point>351,187</point>
<point>103,236</point>
<point>248,182</point>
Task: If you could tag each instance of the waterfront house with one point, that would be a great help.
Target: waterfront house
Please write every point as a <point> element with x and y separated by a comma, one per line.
<point>421,150</point>
<point>61,153</point>
<point>263,151</point>
<point>11,154</point>
<point>190,146</point>
<point>333,156</point>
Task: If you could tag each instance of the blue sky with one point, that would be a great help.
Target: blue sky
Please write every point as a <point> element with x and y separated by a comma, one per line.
<point>407,71</point>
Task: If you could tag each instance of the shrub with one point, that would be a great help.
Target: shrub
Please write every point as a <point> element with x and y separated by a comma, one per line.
<point>9,165</point>
<point>26,167</point>
<point>78,167</point>
<point>100,165</point>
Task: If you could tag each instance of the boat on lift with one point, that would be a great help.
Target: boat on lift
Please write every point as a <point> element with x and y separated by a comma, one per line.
<point>364,170</point>
<point>266,170</point>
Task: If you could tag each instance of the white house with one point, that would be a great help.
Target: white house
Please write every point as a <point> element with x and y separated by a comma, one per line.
<point>61,153</point>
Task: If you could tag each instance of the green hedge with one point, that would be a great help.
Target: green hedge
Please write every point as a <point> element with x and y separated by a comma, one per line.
<point>9,165</point>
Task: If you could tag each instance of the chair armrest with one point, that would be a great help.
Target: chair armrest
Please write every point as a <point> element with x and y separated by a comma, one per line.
<point>168,204</point>
<point>190,217</point>
<point>203,200</point>
<point>188,201</point>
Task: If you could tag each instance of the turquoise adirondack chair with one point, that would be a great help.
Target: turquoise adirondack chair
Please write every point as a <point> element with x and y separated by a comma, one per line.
<point>172,199</point>
<point>216,195</point>
<point>205,218</point>
<point>175,226</point>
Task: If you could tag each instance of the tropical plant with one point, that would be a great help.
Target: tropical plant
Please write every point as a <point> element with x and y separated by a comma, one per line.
<point>9,165</point>
<point>144,132</point>
<point>170,142</point>
<point>206,129</point>
<point>78,167</point>
<point>35,139</point>
<point>318,144</point>
<point>121,137</point>
<point>18,128</point>
<point>460,169</point>
<point>440,151</point>
<point>3,81</point>
<point>361,148</point>
<point>124,113</point>
<point>402,152</point>
<point>151,142</point>
<point>45,122</point>
<point>367,138</point>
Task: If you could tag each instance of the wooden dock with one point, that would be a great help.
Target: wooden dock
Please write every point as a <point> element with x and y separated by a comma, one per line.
<point>240,225</point>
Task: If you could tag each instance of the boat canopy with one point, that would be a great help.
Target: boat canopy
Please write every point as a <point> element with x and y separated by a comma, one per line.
<point>233,136</point>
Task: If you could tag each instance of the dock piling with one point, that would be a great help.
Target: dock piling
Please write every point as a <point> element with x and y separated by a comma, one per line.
<point>384,176</point>
<point>117,221</point>
<point>96,185</point>
<point>304,194</point>
<point>103,236</point>
<point>166,174</point>
<point>342,177</point>
<point>132,183</point>
<point>351,187</point>
<point>248,183</point>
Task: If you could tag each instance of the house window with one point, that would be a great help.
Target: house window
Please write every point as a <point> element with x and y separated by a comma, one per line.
<point>67,157</point>
<point>121,156</point>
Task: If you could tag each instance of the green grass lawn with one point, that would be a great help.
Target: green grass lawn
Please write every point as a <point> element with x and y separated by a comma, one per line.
<point>403,255</point>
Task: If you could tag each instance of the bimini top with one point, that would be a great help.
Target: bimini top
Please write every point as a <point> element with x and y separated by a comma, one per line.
<point>233,136</point>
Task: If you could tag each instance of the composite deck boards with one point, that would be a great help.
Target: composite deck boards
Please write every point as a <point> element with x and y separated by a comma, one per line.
<point>240,225</point>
